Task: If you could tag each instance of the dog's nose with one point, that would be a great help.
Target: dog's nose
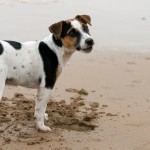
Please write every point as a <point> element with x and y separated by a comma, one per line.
<point>89,41</point>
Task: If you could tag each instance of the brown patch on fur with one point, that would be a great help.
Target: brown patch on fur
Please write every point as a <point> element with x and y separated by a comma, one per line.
<point>69,42</point>
<point>56,28</point>
<point>84,19</point>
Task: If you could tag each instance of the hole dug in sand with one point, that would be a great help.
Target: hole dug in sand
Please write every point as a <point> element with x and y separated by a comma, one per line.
<point>17,118</point>
<point>70,116</point>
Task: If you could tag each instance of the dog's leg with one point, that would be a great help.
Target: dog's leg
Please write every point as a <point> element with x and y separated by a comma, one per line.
<point>3,75</point>
<point>40,108</point>
<point>46,116</point>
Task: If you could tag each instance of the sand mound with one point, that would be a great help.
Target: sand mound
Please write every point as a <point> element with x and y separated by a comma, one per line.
<point>82,91</point>
<point>17,118</point>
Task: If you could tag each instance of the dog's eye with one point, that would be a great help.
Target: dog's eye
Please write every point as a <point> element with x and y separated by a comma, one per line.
<point>72,34</point>
<point>85,29</point>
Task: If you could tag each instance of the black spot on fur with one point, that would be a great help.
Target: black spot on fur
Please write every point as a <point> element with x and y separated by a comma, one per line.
<point>66,27</point>
<point>22,66</point>
<point>1,49</point>
<point>50,64</point>
<point>15,45</point>
<point>85,28</point>
<point>57,41</point>
<point>78,36</point>
<point>14,67</point>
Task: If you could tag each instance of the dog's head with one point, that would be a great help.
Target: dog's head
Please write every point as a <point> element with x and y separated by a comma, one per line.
<point>73,34</point>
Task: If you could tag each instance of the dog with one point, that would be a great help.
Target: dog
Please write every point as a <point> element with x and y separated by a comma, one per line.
<point>38,64</point>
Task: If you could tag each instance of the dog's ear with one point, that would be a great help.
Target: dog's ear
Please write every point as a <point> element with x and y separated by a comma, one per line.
<point>56,29</point>
<point>84,19</point>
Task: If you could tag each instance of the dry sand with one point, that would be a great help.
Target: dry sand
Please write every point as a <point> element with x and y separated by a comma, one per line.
<point>102,100</point>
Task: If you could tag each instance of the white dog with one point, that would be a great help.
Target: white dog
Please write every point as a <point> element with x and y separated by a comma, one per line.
<point>37,64</point>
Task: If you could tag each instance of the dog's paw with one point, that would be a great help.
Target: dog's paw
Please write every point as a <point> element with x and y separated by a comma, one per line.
<point>43,128</point>
<point>46,117</point>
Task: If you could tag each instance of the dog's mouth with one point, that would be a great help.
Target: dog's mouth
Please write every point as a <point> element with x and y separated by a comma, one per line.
<point>88,49</point>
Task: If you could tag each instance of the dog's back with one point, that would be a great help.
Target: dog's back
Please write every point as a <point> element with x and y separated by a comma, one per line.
<point>24,66</point>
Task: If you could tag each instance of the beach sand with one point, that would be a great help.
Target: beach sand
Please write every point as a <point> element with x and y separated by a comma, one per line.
<point>118,81</point>
<point>100,102</point>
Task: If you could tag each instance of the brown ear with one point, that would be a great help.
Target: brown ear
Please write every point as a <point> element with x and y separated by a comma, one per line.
<point>84,19</point>
<point>56,28</point>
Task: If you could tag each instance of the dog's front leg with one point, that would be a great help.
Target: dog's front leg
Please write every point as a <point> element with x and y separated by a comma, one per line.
<point>43,97</point>
<point>3,75</point>
<point>2,85</point>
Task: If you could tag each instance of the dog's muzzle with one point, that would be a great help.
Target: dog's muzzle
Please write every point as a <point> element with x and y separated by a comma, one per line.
<point>89,42</point>
<point>89,45</point>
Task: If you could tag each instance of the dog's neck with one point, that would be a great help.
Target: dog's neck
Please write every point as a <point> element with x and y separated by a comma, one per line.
<point>62,53</point>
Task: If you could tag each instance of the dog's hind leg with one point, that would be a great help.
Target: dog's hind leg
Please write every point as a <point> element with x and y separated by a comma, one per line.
<point>3,76</point>
<point>43,97</point>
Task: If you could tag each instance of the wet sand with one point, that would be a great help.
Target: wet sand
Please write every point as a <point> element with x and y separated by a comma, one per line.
<point>118,86</point>
<point>100,102</point>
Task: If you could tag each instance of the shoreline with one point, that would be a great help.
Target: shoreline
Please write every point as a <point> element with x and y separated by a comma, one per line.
<point>112,25</point>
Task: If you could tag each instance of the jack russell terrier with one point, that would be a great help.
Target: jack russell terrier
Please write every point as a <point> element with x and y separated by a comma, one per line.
<point>37,64</point>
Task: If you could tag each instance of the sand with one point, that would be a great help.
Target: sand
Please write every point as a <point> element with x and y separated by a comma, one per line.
<point>113,114</point>
<point>101,100</point>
